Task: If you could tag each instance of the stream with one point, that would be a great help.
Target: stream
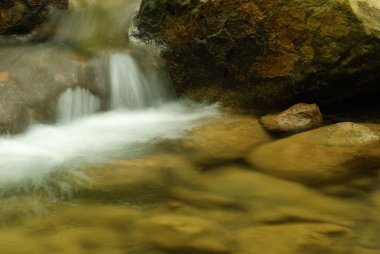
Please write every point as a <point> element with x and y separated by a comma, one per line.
<point>110,161</point>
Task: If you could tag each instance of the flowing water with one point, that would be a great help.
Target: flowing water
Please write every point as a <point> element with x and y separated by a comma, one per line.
<point>111,162</point>
<point>130,89</point>
<point>75,104</point>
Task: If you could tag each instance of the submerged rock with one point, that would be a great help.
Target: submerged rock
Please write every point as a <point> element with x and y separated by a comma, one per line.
<point>229,137</point>
<point>265,54</point>
<point>296,118</point>
<point>138,180</point>
<point>22,16</point>
<point>272,201</point>
<point>310,238</point>
<point>327,154</point>
<point>185,234</point>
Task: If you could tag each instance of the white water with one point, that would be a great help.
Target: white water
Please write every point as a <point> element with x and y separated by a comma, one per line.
<point>29,159</point>
<point>76,103</point>
<point>130,88</point>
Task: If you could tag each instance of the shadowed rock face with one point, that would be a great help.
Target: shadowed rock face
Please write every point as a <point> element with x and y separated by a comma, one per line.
<point>21,16</point>
<point>264,54</point>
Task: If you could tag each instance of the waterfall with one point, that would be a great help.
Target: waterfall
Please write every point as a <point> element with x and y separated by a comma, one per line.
<point>130,88</point>
<point>126,78</point>
<point>76,103</point>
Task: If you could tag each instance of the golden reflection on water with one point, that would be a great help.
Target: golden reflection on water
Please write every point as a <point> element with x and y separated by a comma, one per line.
<point>196,195</point>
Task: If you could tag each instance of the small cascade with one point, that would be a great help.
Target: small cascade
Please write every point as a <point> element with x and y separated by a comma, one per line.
<point>98,56</point>
<point>130,87</point>
<point>76,103</point>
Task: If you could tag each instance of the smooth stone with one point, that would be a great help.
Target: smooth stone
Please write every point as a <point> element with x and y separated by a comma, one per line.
<point>185,234</point>
<point>270,200</point>
<point>116,217</point>
<point>368,230</point>
<point>206,200</point>
<point>297,118</point>
<point>296,239</point>
<point>327,154</point>
<point>140,180</point>
<point>229,137</point>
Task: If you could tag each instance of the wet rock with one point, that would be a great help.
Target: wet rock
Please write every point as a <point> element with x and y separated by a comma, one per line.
<point>149,179</point>
<point>369,229</point>
<point>185,234</point>
<point>375,204</point>
<point>230,137</point>
<point>22,16</point>
<point>358,186</point>
<point>328,154</point>
<point>299,117</point>
<point>266,54</point>
<point>368,12</point>
<point>205,200</point>
<point>272,201</point>
<point>296,238</point>
<point>29,87</point>
<point>116,217</point>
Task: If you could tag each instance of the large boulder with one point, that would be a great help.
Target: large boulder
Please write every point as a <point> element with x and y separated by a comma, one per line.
<point>267,54</point>
<point>30,88</point>
<point>328,154</point>
<point>21,16</point>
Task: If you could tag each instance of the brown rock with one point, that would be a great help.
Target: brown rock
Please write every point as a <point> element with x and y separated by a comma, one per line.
<point>147,179</point>
<point>296,118</point>
<point>229,137</point>
<point>185,234</point>
<point>296,239</point>
<point>272,201</point>
<point>330,153</point>
<point>29,87</point>
<point>266,54</point>
<point>22,16</point>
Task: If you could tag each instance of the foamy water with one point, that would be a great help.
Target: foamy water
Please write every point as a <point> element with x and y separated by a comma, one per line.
<point>29,159</point>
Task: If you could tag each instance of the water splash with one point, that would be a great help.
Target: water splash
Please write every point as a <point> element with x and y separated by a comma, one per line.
<point>76,103</point>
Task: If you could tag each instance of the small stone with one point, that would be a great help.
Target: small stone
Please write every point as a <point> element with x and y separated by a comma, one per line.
<point>297,118</point>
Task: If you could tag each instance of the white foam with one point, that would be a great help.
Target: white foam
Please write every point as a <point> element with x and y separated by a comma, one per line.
<point>30,158</point>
